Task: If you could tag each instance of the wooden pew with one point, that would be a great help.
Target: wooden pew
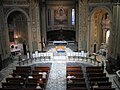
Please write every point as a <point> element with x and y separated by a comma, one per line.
<point>68,67</point>
<point>15,83</point>
<point>42,68</point>
<point>93,67</point>
<point>104,88</point>
<point>74,72</point>
<point>25,68</point>
<point>75,88</point>
<point>77,79</point>
<point>8,89</point>
<point>31,89</point>
<point>98,79</point>
<point>76,85</point>
<point>94,71</point>
<point>75,75</point>
<point>33,85</point>
<point>21,73</point>
<point>102,84</point>
<point>74,69</point>
<point>35,80</point>
<point>38,76</point>
<point>14,80</point>
<point>96,74</point>
<point>12,85</point>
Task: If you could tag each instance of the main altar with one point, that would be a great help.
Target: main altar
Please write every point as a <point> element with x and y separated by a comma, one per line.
<point>60,49</point>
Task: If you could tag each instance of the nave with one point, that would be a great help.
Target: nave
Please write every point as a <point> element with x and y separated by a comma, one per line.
<point>57,78</point>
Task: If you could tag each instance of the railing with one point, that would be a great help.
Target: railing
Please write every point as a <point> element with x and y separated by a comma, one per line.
<point>77,56</point>
<point>73,56</point>
<point>118,75</point>
<point>35,57</point>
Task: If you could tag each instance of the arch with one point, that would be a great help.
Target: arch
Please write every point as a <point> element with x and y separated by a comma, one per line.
<point>16,9</point>
<point>96,29</point>
<point>104,8</point>
<point>12,10</point>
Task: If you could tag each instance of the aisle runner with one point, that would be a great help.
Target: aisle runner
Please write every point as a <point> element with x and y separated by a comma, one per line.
<point>60,56</point>
<point>57,77</point>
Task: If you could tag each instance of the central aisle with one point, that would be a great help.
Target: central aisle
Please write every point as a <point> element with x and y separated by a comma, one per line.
<point>57,76</point>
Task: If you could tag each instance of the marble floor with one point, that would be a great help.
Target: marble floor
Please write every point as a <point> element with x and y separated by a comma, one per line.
<point>57,72</point>
<point>57,77</point>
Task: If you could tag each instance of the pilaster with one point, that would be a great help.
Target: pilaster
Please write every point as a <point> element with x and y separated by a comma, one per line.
<point>4,39</point>
<point>43,19</point>
<point>35,25</point>
<point>77,21</point>
<point>118,30</point>
<point>114,33</point>
<point>83,25</point>
<point>39,37</point>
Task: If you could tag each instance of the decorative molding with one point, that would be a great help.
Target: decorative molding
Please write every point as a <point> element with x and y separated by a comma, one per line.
<point>95,5</point>
<point>8,9</point>
<point>22,3</point>
<point>58,21</point>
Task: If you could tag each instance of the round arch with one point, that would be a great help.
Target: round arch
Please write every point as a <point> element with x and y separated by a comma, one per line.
<point>28,23</point>
<point>101,7</point>
<point>92,43</point>
<point>16,9</point>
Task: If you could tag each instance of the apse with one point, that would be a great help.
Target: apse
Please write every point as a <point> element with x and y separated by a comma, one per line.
<point>61,35</point>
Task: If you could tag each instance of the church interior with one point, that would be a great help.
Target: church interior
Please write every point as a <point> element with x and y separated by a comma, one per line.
<point>59,45</point>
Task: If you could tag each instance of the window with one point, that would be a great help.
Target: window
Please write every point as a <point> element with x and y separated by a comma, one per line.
<point>49,17</point>
<point>73,16</point>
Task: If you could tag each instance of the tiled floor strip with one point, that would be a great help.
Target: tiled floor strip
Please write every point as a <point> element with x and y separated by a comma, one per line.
<point>57,76</point>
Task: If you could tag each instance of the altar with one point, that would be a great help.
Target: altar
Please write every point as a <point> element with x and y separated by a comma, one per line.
<point>60,43</point>
<point>60,49</point>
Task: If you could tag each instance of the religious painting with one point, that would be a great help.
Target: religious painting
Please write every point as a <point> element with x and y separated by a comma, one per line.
<point>61,16</point>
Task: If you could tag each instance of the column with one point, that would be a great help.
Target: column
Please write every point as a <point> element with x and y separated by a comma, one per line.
<point>118,30</point>
<point>114,33</point>
<point>88,34</point>
<point>35,25</point>
<point>39,37</point>
<point>83,16</point>
<point>1,27</point>
<point>43,20</point>
<point>4,37</point>
<point>77,21</point>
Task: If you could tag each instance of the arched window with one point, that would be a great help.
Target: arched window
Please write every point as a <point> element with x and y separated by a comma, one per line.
<point>73,17</point>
